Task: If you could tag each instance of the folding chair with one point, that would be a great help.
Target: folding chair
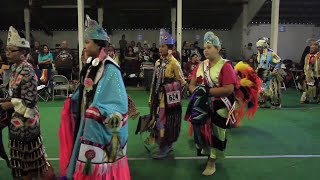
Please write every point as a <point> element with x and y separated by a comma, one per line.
<point>43,88</point>
<point>60,83</point>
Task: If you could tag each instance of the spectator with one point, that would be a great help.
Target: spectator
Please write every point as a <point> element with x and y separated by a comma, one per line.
<point>130,62</point>
<point>154,52</point>
<point>175,53</point>
<point>223,53</point>
<point>247,52</point>
<point>154,48</point>
<point>45,58</point>
<point>196,46</point>
<point>253,61</point>
<point>65,62</point>
<point>37,45</point>
<point>146,74</point>
<point>113,54</point>
<point>139,47</point>
<point>193,50</point>
<point>35,53</point>
<point>144,54</point>
<point>123,45</point>
<point>133,44</point>
<point>191,65</point>
<point>131,67</point>
<point>185,52</point>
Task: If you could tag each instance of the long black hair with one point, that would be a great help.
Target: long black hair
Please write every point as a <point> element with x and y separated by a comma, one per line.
<point>170,46</point>
<point>90,94</point>
<point>42,50</point>
<point>184,43</point>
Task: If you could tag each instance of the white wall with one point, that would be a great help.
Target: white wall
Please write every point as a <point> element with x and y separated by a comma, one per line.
<point>291,43</point>
<point>235,36</point>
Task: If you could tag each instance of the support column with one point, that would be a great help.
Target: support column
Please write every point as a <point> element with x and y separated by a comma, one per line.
<point>173,21</point>
<point>240,28</point>
<point>245,22</point>
<point>100,16</point>
<point>27,23</point>
<point>179,25</point>
<point>274,25</point>
<point>80,29</point>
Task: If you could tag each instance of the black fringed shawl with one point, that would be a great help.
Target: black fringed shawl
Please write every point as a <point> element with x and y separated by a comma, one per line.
<point>173,110</point>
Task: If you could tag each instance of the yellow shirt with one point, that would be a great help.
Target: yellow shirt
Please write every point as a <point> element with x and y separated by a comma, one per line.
<point>173,70</point>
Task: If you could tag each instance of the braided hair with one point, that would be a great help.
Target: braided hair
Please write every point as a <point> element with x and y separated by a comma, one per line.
<point>90,94</point>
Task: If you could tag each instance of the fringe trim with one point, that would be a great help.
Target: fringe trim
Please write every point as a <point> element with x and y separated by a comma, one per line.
<point>27,157</point>
<point>20,168</point>
<point>132,109</point>
<point>25,147</point>
<point>26,166</point>
<point>173,123</point>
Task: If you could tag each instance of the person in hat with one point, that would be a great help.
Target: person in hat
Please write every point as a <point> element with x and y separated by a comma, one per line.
<point>311,86</point>
<point>101,118</point>
<point>212,86</point>
<point>165,98</point>
<point>28,158</point>
<point>221,97</point>
<point>271,74</point>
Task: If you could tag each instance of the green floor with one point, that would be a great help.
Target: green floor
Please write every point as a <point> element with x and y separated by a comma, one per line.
<point>292,130</point>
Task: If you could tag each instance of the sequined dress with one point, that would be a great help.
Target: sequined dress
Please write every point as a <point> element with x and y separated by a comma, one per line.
<point>100,148</point>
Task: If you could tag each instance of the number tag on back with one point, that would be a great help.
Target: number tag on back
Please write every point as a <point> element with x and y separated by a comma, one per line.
<point>173,97</point>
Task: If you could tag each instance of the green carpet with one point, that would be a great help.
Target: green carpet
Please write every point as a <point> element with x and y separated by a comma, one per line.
<point>288,131</point>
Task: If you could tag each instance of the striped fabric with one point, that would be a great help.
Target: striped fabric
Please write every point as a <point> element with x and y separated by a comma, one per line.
<point>216,145</point>
<point>94,113</point>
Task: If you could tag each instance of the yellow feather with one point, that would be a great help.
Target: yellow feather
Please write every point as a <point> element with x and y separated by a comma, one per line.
<point>241,66</point>
<point>245,82</point>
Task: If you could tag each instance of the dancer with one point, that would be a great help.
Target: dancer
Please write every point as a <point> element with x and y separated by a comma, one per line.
<point>27,153</point>
<point>310,85</point>
<point>215,96</point>
<point>165,98</point>
<point>270,72</point>
<point>100,109</point>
